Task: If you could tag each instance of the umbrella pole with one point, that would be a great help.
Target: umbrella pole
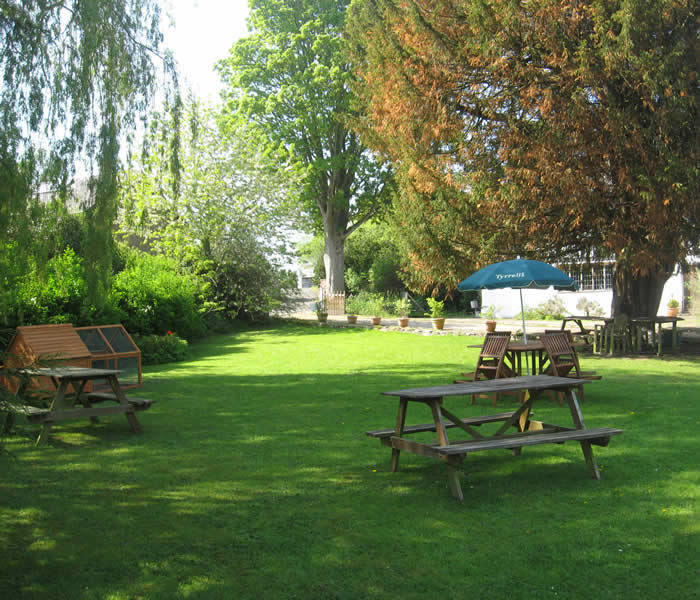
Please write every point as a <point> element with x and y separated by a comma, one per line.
<point>522,314</point>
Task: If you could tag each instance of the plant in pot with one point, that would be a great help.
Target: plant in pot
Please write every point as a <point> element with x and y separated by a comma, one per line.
<point>351,310</point>
<point>437,312</point>
<point>321,311</point>
<point>672,308</point>
<point>490,314</point>
<point>377,306</point>
<point>402,307</point>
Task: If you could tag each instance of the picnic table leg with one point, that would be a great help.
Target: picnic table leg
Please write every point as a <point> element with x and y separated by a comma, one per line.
<point>79,397</point>
<point>454,475</point>
<point>660,341</point>
<point>586,448</point>
<point>118,392</point>
<point>58,403</point>
<point>400,423</point>
<point>674,338</point>
<point>454,463</point>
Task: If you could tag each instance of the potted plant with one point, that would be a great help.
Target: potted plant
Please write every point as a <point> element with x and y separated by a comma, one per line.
<point>351,310</point>
<point>402,307</point>
<point>673,307</point>
<point>321,311</point>
<point>437,312</point>
<point>377,306</point>
<point>490,314</point>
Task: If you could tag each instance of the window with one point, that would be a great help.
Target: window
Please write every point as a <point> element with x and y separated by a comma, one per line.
<point>597,276</point>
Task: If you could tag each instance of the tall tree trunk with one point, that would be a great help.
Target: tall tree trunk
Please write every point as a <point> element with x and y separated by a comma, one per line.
<point>638,295</point>
<point>334,258</point>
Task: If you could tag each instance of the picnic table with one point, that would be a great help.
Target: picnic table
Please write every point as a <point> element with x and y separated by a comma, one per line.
<point>528,431</point>
<point>654,326</point>
<point>63,404</point>
<point>579,319</point>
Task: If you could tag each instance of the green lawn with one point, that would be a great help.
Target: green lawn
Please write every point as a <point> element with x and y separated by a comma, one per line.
<point>254,479</point>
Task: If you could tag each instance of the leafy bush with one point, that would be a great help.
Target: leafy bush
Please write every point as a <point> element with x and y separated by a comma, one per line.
<point>551,309</point>
<point>59,296</point>
<point>158,349</point>
<point>367,303</point>
<point>590,307</point>
<point>437,308</point>
<point>402,307</point>
<point>153,297</point>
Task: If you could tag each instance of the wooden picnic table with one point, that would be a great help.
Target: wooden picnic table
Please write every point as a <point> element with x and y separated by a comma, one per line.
<point>579,319</point>
<point>527,430</point>
<point>62,406</point>
<point>640,324</point>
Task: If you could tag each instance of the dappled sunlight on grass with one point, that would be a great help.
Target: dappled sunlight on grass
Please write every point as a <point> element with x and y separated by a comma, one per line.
<point>253,477</point>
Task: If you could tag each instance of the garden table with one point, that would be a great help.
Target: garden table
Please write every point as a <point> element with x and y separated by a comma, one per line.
<point>651,324</point>
<point>579,319</point>
<point>62,404</point>
<point>528,431</point>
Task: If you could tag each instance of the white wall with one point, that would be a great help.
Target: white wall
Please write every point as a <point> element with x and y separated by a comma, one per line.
<point>507,301</point>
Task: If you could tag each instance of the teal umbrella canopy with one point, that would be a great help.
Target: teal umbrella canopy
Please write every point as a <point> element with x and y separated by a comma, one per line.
<point>518,273</point>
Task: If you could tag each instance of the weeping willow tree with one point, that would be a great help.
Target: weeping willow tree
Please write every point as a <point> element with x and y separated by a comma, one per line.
<point>76,79</point>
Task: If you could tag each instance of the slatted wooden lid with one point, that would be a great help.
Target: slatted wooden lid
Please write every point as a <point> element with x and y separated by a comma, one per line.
<point>60,341</point>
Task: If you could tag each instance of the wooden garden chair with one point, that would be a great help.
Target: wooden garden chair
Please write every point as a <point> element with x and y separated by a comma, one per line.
<point>491,363</point>
<point>563,359</point>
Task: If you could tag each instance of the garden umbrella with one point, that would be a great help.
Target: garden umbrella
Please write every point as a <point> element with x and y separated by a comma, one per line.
<point>518,274</point>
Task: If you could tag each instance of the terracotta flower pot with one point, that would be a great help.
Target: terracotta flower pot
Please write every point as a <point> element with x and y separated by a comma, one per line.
<point>376,320</point>
<point>490,326</point>
<point>352,319</point>
<point>403,321</point>
<point>672,311</point>
<point>438,323</point>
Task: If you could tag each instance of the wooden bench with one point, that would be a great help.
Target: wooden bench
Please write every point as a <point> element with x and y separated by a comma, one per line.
<point>475,421</point>
<point>599,436</point>
<point>138,403</point>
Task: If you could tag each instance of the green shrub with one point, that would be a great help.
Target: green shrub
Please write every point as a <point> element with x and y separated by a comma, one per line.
<point>154,297</point>
<point>437,308</point>
<point>57,296</point>
<point>590,307</point>
<point>158,349</point>
<point>551,309</point>
<point>367,303</point>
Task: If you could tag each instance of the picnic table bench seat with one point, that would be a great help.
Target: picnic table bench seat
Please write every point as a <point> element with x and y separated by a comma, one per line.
<point>475,421</point>
<point>138,403</point>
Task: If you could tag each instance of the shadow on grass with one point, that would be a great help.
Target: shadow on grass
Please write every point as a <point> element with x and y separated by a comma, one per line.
<point>248,485</point>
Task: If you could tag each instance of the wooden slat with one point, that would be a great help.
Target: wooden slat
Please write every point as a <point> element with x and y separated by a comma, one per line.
<point>475,421</point>
<point>509,384</point>
<point>519,440</point>
<point>81,413</point>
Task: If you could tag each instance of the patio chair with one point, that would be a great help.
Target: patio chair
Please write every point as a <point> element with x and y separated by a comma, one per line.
<point>617,335</point>
<point>491,362</point>
<point>563,360</point>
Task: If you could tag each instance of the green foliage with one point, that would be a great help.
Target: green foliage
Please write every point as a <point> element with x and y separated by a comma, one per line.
<point>291,78</point>
<point>590,307</point>
<point>225,217</point>
<point>437,308</point>
<point>368,303</point>
<point>536,128</point>
<point>158,349</point>
<point>76,77</point>
<point>402,307</point>
<point>372,260</point>
<point>153,296</point>
<point>673,303</point>
<point>55,294</point>
<point>552,309</point>
<point>489,312</point>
